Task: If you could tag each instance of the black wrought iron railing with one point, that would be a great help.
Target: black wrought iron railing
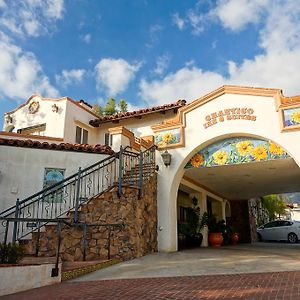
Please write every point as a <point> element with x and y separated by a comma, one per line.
<point>125,168</point>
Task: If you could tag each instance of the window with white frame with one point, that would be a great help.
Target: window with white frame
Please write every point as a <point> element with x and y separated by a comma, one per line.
<point>33,130</point>
<point>81,136</point>
<point>108,139</point>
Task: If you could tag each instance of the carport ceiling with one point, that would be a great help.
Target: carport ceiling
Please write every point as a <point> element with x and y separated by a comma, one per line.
<point>250,180</point>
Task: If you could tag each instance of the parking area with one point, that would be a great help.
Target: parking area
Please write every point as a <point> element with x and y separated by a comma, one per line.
<point>257,271</point>
<point>243,258</point>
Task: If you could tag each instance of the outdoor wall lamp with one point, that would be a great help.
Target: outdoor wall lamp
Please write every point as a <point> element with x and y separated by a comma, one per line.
<point>195,201</point>
<point>166,157</point>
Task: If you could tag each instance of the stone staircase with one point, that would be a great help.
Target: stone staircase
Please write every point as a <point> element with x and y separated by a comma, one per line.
<point>117,226</point>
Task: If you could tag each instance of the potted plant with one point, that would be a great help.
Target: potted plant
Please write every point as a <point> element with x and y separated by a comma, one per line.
<point>234,237</point>
<point>215,229</point>
<point>193,217</point>
<point>189,232</point>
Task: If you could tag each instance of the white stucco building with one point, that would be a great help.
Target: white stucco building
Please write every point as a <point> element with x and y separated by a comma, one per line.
<point>226,147</point>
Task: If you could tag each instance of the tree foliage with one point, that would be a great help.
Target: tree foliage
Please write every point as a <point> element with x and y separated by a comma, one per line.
<point>274,204</point>
<point>123,105</point>
<point>97,110</point>
<point>111,107</point>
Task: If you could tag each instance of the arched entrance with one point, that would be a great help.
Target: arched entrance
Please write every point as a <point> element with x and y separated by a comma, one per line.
<point>221,178</point>
<point>230,112</point>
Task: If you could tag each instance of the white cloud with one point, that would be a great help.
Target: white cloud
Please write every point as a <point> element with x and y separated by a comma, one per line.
<point>276,66</point>
<point>196,21</point>
<point>179,22</point>
<point>21,74</point>
<point>186,83</point>
<point>154,35</point>
<point>86,38</point>
<point>69,77</point>
<point>236,14</point>
<point>161,64</point>
<point>2,4</point>
<point>30,17</point>
<point>115,74</point>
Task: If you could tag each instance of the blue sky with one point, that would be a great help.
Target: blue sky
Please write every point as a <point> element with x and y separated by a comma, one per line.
<point>148,52</point>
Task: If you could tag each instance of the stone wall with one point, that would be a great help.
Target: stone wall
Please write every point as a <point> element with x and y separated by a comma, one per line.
<point>137,236</point>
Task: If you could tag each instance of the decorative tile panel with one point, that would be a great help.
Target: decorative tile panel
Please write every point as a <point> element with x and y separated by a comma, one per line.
<point>237,150</point>
<point>291,117</point>
<point>51,177</point>
<point>167,138</point>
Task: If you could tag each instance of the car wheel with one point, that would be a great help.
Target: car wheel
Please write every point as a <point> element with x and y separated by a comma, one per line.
<point>292,238</point>
<point>259,237</point>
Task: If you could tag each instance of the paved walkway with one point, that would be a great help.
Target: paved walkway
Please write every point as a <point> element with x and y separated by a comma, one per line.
<point>263,271</point>
<point>254,258</point>
<point>272,286</point>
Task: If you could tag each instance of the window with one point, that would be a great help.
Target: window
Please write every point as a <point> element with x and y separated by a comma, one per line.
<point>33,130</point>
<point>182,214</point>
<point>51,177</point>
<point>81,136</point>
<point>108,139</point>
<point>271,224</point>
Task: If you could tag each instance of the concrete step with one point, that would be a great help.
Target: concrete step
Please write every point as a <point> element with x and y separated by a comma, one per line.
<point>75,269</point>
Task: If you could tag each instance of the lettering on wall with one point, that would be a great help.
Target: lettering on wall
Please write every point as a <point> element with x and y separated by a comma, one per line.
<point>229,114</point>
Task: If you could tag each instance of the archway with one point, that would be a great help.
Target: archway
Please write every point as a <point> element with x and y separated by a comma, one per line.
<point>234,170</point>
<point>202,183</point>
<point>228,112</point>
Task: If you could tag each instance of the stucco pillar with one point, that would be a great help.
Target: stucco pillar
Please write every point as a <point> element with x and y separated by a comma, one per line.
<point>167,190</point>
<point>224,210</point>
<point>203,209</point>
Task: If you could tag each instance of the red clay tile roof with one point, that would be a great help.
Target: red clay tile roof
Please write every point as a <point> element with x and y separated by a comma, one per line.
<point>99,149</point>
<point>137,113</point>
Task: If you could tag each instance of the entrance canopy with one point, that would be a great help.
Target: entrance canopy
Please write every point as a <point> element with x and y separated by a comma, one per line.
<point>243,168</point>
<point>250,180</point>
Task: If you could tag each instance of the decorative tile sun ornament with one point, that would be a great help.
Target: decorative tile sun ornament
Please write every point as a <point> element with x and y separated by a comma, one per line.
<point>237,150</point>
<point>291,117</point>
<point>33,107</point>
<point>167,138</point>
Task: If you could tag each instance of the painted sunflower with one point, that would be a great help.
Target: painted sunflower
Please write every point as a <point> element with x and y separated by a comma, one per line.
<point>161,144</point>
<point>167,137</point>
<point>220,157</point>
<point>259,153</point>
<point>197,160</point>
<point>276,149</point>
<point>296,116</point>
<point>244,147</point>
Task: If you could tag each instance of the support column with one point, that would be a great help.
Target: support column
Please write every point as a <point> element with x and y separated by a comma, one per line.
<point>203,209</point>
<point>167,209</point>
<point>224,210</point>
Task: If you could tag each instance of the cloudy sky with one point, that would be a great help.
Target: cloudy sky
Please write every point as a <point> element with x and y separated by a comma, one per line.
<point>145,51</point>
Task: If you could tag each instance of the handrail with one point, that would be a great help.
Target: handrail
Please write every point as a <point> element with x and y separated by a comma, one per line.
<point>58,184</point>
<point>122,168</point>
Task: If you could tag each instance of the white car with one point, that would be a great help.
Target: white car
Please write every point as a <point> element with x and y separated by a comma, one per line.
<point>279,230</point>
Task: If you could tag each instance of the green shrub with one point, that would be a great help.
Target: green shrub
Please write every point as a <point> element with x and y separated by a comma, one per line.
<point>10,253</point>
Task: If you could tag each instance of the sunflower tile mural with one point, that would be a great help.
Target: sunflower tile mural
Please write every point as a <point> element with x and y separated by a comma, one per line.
<point>236,151</point>
<point>291,117</point>
<point>169,137</point>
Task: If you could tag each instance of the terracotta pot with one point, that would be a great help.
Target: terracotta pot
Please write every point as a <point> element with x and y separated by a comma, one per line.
<point>215,239</point>
<point>234,238</point>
